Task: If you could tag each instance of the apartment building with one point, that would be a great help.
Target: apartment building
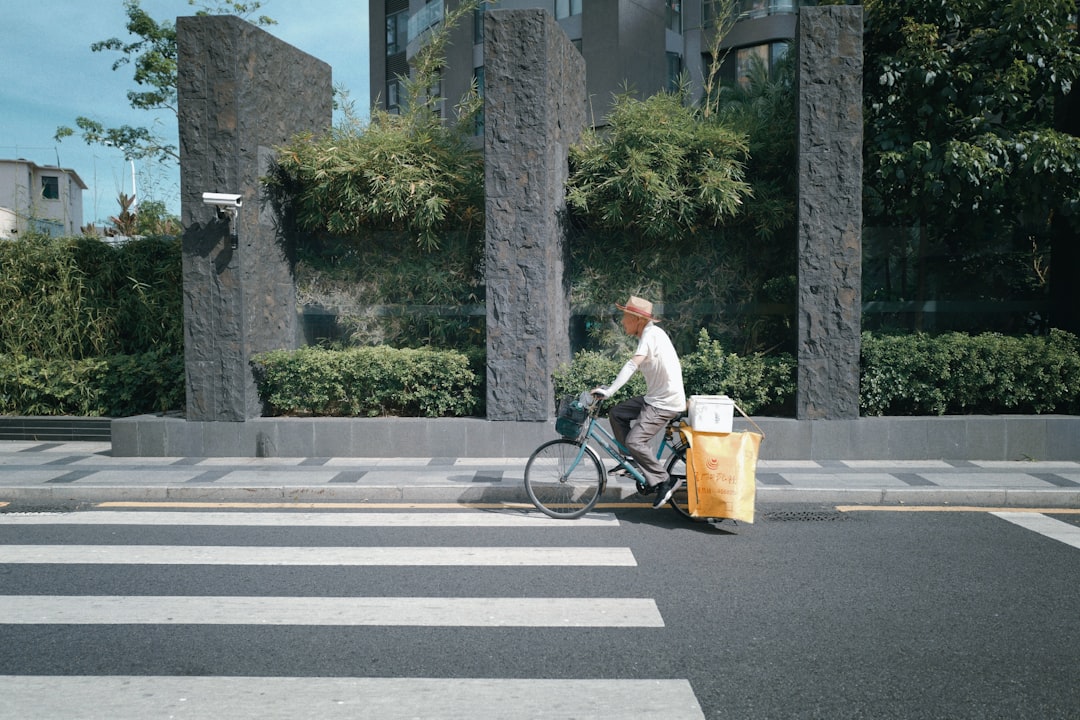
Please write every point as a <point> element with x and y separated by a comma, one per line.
<point>640,44</point>
<point>39,198</point>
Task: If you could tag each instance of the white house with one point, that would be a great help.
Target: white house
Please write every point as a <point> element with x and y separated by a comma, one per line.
<point>44,198</point>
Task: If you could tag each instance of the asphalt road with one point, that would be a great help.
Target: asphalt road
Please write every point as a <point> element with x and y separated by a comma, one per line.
<point>810,612</point>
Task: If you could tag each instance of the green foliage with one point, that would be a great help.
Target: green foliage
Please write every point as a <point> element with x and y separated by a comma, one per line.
<point>88,328</point>
<point>735,277</point>
<point>401,173</point>
<point>369,381</point>
<point>957,373</point>
<point>659,172</point>
<point>79,298</point>
<point>590,369</point>
<point>153,219</point>
<point>421,293</point>
<point>112,386</point>
<point>960,143</point>
<point>756,382</point>
<point>410,173</point>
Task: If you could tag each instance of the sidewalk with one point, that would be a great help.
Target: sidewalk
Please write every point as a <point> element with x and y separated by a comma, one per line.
<point>87,472</point>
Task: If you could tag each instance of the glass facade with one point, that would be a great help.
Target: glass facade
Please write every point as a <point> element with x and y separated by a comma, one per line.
<point>566,8</point>
<point>430,15</point>
<point>673,15</point>
<point>397,32</point>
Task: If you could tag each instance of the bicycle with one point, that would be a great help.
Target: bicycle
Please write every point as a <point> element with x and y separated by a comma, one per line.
<point>565,477</point>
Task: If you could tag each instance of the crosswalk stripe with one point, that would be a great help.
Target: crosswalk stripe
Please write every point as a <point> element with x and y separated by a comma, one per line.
<point>322,556</point>
<point>334,698</point>
<point>516,519</point>
<point>1051,528</point>
<point>396,611</point>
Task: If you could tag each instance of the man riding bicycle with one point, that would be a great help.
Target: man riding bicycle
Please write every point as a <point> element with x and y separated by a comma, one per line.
<point>663,401</point>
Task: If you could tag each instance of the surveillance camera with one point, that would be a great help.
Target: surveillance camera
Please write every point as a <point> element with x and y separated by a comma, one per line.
<point>222,200</point>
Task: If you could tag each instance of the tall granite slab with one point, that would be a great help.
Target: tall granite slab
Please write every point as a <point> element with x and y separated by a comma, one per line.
<point>829,129</point>
<point>242,92</point>
<point>534,110</point>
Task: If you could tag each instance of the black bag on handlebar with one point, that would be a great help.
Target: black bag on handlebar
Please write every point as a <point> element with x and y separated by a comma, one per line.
<point>571,418</point>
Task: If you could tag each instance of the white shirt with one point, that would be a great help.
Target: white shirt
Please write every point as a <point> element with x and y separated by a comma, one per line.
<point>662,370</point>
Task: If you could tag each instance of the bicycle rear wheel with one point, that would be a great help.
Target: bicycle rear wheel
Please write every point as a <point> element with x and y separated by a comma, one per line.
<point>676,467</point>
<point>559,484</point>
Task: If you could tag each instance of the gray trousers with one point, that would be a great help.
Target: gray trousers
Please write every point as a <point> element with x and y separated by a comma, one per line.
<point>639,439</point>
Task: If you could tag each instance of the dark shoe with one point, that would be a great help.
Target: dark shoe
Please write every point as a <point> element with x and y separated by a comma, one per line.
<point>665,490</point>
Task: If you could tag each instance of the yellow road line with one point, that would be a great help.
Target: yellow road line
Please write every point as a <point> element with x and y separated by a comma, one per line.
<point>315,505</point>
<point>954,508</point>
<point>343,505</point>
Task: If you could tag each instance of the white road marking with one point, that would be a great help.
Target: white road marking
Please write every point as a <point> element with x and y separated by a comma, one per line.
<point>336,698</point>
<point>350,611</point>
<point>1051,528</point>
<point>322,556</point>
<point>312,519</point>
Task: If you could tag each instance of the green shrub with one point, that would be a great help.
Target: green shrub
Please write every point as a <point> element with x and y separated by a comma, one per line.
<point>590,369</point>
<point>113,386</point>
<point>755,382</point>
<point>369,381</point>
<point>957,373</point>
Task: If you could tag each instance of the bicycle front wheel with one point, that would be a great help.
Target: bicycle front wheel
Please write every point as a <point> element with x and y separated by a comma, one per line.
<point>564,479</point>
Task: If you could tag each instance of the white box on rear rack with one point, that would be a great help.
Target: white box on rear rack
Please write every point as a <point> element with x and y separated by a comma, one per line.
<point>711,413</point>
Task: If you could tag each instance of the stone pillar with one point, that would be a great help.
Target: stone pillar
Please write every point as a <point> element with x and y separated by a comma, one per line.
<point>241,92</point>
<point>534,110</point>
<point>829,141</point>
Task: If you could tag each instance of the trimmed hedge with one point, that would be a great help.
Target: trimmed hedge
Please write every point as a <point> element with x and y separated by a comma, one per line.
<point>982,374</point>
<point>368,381</point>
<point>114,386</point>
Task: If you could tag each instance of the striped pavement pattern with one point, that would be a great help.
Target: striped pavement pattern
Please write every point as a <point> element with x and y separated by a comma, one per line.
<point>328,698</point>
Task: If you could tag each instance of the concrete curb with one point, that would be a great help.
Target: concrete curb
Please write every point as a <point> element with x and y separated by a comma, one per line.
<point>515,494</point>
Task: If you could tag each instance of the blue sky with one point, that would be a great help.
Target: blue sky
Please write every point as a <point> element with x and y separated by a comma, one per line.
<point>49,76</point>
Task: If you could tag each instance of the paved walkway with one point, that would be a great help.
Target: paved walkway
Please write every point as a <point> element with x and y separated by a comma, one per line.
<point>79,471</point>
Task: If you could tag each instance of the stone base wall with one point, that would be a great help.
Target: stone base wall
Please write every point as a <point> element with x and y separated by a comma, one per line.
<point>998,437</point>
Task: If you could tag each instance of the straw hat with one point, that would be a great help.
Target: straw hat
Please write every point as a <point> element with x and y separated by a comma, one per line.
<point>637,306</point>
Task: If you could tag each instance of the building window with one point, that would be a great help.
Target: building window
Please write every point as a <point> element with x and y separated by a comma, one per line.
<point>673,15</point>
<point>393,96</point>
<point>760,8</point>
<point>397,32</point>
<point>768,55</point>
<point>747,58</point>
<point>50,187</point>
<point>674,71</point>
<point>566,8</point>
<point>777,51</point>
<point>429,16</point>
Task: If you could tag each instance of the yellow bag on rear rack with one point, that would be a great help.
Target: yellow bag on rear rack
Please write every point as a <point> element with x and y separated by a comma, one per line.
<point>720,470</point>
